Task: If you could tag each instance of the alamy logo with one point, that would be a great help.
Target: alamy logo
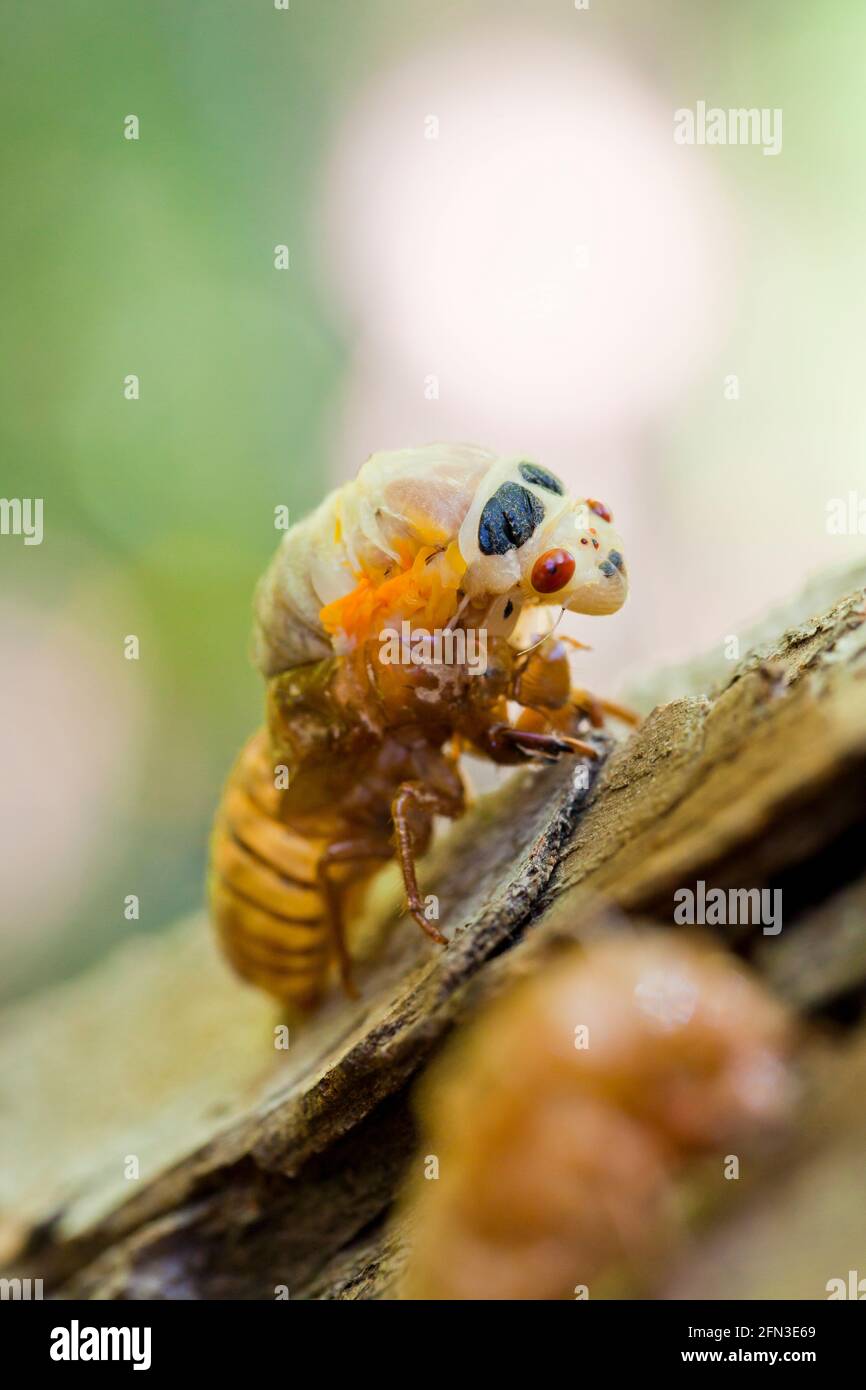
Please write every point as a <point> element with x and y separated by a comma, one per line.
<point>76,1343</point>
<point>854,1287</point>
<point>846,516</point>
<point>20,1290</point>
<point>737,907</point>
<point>22,516</point>
<point>449,646</point>
<point>736,126</point>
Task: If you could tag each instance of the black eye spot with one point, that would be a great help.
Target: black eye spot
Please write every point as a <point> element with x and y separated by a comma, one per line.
<point>509,609</point>
<point>534,473</point>
<point>508,519</point>
<point>492,539</point>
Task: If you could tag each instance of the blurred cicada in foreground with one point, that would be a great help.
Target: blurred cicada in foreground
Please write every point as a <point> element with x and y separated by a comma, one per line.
<point>387,629</point>
<point>563,1120</point>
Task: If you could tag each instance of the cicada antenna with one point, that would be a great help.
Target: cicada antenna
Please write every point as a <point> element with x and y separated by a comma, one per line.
<point>543,638</point>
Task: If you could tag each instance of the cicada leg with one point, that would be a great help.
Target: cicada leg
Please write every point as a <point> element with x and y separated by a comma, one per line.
<point>595,709</point>
<point>354,851</point>
<point>548,745</point>
<point>412,812</point>
<point>543,686</point>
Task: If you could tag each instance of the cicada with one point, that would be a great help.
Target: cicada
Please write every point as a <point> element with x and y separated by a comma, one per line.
<point>388,629</point>
<point>564,1117</point>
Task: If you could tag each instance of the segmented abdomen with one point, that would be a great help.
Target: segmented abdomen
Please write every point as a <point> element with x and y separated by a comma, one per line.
<point>266,904</point>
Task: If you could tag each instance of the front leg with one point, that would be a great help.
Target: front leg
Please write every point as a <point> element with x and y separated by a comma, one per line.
<point>542,684</point>
<point>595,709</point>
<point>546,745</point>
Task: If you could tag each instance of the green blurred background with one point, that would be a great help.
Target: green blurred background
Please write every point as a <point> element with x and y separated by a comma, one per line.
<point>155,257</point>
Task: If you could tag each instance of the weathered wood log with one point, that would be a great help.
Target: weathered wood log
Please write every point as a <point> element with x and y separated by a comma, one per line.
<point>261,1168</point>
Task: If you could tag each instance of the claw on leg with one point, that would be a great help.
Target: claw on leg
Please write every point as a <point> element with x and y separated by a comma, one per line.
<point>413,797</point>
<point>543,683</point>
<point>550,744</point>
<point>416,912</point>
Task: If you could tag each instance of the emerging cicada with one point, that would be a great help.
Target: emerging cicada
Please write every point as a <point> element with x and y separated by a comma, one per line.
<point>386,628</point>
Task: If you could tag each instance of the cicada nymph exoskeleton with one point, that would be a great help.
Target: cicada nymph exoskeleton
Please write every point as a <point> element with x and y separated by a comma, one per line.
<point>447,545</point>
<point>563,1120</point>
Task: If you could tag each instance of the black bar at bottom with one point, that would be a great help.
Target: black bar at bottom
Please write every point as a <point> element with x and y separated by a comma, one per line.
<point>66,1338</point>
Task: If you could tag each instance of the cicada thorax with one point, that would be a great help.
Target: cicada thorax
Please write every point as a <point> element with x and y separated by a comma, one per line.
<point>362,535</point>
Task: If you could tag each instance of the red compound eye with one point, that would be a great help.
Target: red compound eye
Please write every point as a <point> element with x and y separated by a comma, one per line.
<point>552,571</point>
<point>599,508</point>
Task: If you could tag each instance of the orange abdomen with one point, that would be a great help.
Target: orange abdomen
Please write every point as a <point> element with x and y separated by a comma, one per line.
<point>266,901</point>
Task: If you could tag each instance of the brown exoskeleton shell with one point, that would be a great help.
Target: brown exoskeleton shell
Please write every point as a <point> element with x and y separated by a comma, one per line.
<point>426,546</point>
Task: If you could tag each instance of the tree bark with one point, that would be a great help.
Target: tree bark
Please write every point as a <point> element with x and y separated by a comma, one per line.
<point>261,1169</point>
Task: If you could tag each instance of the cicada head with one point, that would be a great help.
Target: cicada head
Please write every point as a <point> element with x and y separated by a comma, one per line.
<point>524,535</point>
<point>579,561</point>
